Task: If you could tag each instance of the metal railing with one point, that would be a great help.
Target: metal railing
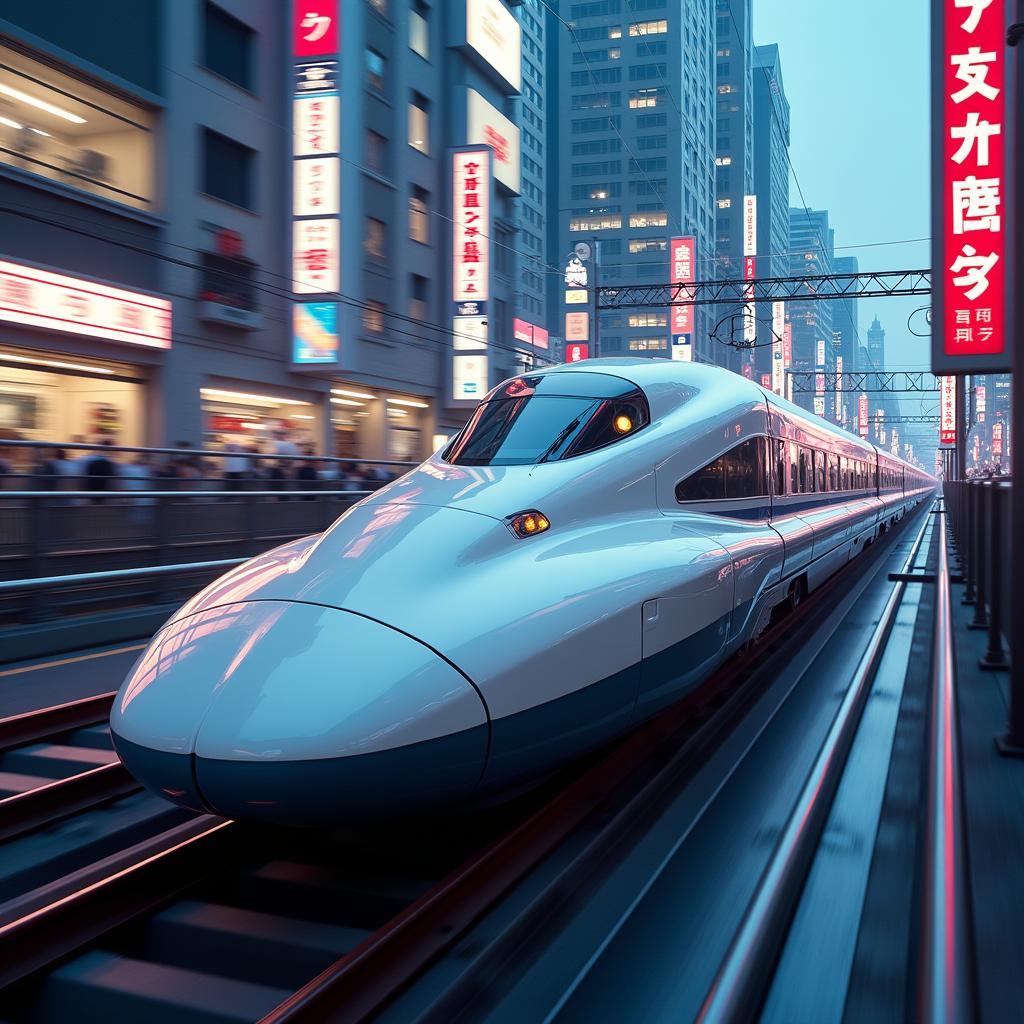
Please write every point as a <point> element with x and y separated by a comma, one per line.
<point>980,510</point>
<point>945,982</point>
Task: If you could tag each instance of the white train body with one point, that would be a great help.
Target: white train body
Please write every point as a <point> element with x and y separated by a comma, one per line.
<point>420,652</point>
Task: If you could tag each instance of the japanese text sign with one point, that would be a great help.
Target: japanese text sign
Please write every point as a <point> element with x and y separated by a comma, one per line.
<point>683,252</point>
<point>315,27</point>
<point>471,224</point>
<point>947,410</point>
<point>970,185</point>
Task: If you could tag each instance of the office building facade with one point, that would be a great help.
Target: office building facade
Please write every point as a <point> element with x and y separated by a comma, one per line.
<point>635,160</point>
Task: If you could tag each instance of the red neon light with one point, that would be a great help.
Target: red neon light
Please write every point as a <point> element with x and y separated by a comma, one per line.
<point>683,257</point>
<point>314,27</point>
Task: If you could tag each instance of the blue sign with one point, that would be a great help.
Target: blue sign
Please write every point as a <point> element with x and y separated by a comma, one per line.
<point>315,332</point>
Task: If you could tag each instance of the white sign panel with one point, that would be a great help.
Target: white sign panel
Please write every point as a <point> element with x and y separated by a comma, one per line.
<point>485,124</point>
<point>469,377</point>
<point>495,35</point>
<point>750,225</point>
<point>73,305</point>
<point>316,190</point>
<point>471,225</point>
<point>315,256</point>
<point>778,331</point>
<point>469,333</point>
<point>316,121</point>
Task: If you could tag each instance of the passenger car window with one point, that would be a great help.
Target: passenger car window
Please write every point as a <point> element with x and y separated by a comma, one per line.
<point>794,468</point>
<point>833,472</point>
<point>742,472</point>
<point>821,484</point>
<point>781,464</point>
<point>806,471</point>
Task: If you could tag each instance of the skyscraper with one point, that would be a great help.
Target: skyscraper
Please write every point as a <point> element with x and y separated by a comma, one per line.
<point>736,235</point>
<point>812,244</point>
<point>636,152</point>
<point>847,338</point>
<point>771,184</point>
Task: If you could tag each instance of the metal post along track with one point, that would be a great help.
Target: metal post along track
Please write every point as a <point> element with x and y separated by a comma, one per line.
<point>737,993</point>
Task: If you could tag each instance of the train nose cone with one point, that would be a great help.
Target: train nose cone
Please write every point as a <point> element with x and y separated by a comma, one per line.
<point>298,714</point>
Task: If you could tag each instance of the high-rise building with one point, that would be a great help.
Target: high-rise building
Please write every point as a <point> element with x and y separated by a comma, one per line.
<point>635,154</point>
<point>876,346</point>
<point>771,186</point>
<point>736,236</point>
<point>812,246</point>
<point>531,115</point>
<point>846,334</point>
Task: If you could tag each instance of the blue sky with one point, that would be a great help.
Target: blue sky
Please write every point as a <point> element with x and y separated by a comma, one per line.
<point>856,73</point>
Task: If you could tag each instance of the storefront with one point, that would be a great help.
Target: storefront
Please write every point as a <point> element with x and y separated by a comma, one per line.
<point>52,397</point>
<point>245,414</point>
<point>369,423</point>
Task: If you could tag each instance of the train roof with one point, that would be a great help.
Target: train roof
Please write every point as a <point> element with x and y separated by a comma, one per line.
<point>648,374</point>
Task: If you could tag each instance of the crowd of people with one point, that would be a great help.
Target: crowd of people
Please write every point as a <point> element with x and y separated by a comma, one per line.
<point>240,467</point>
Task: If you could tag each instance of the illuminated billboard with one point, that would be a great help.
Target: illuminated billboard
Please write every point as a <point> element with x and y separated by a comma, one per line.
<point>471,225</point>
<point>969,118</point>
<point>749,266</point>
<point>315,256</point>
<point>683,257</point>
<point>314,27</point>
<point>494,34</point>
<point>315,332</point>
<point>315,186</point>
<point>487,126</point>
<point>74,305</point>
<point>778,330</point>
<point>577,326</point>
<point>576,352</point>
<point>947,410</point>
<point>315,124</point>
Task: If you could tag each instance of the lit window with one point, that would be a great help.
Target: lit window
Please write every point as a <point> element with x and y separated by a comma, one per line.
<point>418,31</point>
<point>594,223</point>
<point>648,28</point>
<point>646,344</point>
<point>614,53</point>
<point>373,317</point>
<point>641,99</point>
<point>723,161</point>
<point>724,204</point>
<point>599,193</point>
<point>648,320</point>
<point>57,126</point>
<point>419,124</point>
<point>373,241</point>
<point>615,32</point>
<point>648,220</point>
<point>647,245</point>
<point>723,52</point>
<point>723,89</point>
<point>418,216</point>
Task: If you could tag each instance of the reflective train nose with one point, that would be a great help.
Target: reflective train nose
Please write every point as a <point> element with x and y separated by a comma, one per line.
<point>298,714</point>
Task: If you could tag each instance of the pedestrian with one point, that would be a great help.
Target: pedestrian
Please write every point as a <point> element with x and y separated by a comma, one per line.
<point>236,465</point>
<point>307,474</point>
<point>139,475</point>
<point>100,470</point>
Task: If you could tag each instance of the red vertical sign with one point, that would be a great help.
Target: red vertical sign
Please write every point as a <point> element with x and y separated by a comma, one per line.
<point>970,180</point>
<point>947,410</point>
<point>683,258</point>
<point>576,353</point>
<point>315,27</point>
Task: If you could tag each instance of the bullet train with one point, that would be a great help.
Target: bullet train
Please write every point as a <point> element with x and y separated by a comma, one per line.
<point>582,554</point>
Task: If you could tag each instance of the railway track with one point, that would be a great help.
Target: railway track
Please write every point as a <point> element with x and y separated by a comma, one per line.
<point>56,762</point>
<point>218,921</point>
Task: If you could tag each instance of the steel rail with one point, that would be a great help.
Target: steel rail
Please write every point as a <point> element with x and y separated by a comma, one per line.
<point>737,993</point>
<point>112,576</point>
<point>356,986</point>
<point>138,879</point>
<point>944,966</point>
<point>31,726</point>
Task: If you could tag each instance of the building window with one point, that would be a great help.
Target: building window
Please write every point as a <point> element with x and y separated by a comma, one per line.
<point>419,217</point>
<point>641,99</point>
<point>419,123</point>
<point>228,169</point>
<point>373,240</point>
<point>594,223</point>
<point>419,31</point>
<point>227,280</point>
<point>723,161</point>
<point>98,144</point>
<point>648,220</point>
<point>724,204</point>
<point>418,297</point>
<point>646,344</point>
<point>373,317</point>
<point>648,319</point>
<point>227,46</point>
<point>375,69</point>
<point>648,28</point>
<point>376,152</point>
<point>647,245</point>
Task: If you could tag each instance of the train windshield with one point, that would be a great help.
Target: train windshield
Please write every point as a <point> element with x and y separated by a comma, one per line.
<point>530,420</point>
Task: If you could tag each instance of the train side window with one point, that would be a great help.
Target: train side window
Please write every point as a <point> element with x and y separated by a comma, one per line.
<point>820,470</point>
<point>707,484</point>
<point>781,468</point>
<point>833,472</point>
<point>806,471</point>
<point>746,470</point>
<point>794,468</point>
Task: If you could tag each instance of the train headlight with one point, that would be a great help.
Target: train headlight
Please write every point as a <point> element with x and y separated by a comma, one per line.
<point>622,424</point>
<point>529,524</point>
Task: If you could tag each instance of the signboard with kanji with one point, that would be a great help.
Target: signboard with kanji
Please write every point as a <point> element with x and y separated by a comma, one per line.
<point>947,410</point>
<point>471,225</point>
<point>969,242</point>
<point>683,253</point>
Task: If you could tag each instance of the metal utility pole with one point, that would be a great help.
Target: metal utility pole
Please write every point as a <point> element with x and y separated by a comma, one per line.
<point>1013,740</point>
